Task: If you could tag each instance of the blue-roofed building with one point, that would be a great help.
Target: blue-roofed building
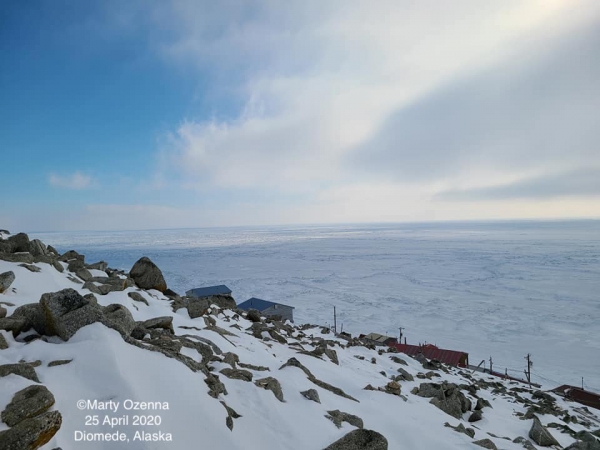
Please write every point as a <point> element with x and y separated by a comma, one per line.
<point>209,291</point>
<point>268,309</point>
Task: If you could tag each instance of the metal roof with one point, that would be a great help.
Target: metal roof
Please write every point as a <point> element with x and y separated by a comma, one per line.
<point>209,290</point>
<point>579,395</point>
<point>377,337</point>
<point>259,304</point>
<point>452,357</point>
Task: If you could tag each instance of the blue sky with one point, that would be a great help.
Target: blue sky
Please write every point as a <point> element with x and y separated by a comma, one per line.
<point>181,113</point>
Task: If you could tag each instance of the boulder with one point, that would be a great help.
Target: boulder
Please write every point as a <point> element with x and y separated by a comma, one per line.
<point>118,318</point>
<point>71,255</point>
<point>360,439</point>
<point>271,384</point>
<point>136,296</point>
<point>482,403</point>
<point>3,343</point>
<point>2,312</point>
<point>447,397</point>
<point>100,265</point>
<point>84,274</point>
<point>222,301</point>
<point>21,257</point>
<point>66,312</point>
<point>19,243</point>
<point>147,275</point>
<point>197,307</point>
<point>15,324</point>
<point>22,369</point>
<point>253,315</point>
<point>337,417</point>
<point>404,375</point>
<point>29,402</point>
<point>231,358</point>
<point>399,360</point>
<point>52,250</point>
<point>238,374</point>
<point>540,434</point>
<point>35,317</point>
<point>164,322</point>
<point>37,248</point>
<point>476,416</point>
<point>6,279</point>
<point>30,267</point>
<point>486,443</point>
<point>311,394</point>
<point>31,434</point>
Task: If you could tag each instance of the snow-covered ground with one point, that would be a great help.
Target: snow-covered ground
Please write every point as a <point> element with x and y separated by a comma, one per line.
<point>106,368</point>
<point>491,289</point>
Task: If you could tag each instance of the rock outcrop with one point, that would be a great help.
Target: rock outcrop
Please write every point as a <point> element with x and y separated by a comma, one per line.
<point>147,275</point>
<point>6,280</point>
<point>360,439</point>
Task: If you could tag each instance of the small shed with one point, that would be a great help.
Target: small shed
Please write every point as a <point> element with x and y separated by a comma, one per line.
<point>378,339</point>
<point>209,291</point>
<point>451,357</point>
<point>268,308</point>
<point>578,395</point>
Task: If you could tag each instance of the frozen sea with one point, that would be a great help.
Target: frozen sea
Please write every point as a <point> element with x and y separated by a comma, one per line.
<point>500,289</point>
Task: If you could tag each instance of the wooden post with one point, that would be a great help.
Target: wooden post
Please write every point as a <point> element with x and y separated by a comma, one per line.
<point>334,321</point>
<point>528,371</point>
<point>491,367</point>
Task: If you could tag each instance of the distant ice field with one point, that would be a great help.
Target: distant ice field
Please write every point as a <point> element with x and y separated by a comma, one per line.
<point>492,289</point>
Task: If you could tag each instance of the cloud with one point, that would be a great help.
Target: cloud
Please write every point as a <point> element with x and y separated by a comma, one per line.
<point>76,181</point>
<point>581,182</point>
<point>395,90</point>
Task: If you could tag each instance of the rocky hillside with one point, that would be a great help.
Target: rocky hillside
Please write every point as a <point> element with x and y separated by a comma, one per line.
<point>93,358</point>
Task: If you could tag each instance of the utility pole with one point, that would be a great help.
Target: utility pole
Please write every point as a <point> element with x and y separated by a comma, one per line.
<point>491,368</point>
<point>528,371</point>
<point>334,322</point>
<point>582,384</point>
<point>400,340</point>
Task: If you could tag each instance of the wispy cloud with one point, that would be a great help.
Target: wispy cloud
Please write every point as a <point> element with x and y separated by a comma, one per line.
<point>75,181</point>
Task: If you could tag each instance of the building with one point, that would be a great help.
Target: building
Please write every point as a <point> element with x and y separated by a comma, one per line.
<point>578,395</point>
<point>209,291</point>
<point>268,309</point>
<point>451,357</point>
<point>378,339</point>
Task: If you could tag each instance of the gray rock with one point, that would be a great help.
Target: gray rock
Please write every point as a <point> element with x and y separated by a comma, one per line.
<point>460,428</point>
<point>52,250</point>
<point>22,369</point>
<point>136,296</point>
<point>482,403</point>
<point>147,275</point>
<point>231,358</point>
<point>2,312</point>
<point>476,416</point>
<point>59,362</point>
<point>100,265</point>
<point>399,360</point>
<point>21,257</point>
<point>526,443</point>
<point>15,324</point>
<point>337,417</point>
<point>215,386</point>
<point>271,384</point>
<point>164,322</point>
<point>311,394</point>
<point>75,265</point>
<point>93,288</point>
<point>222,301</point>
<point>29,402</point>
<point>540,434</point>
<point>237,374</point>
<point>197,307</point>
<point>31,434</point>
<point>3,343</point>
<point>447,397</point>
<point>118,318</point>
<point>360,439</point>
<point>58,266</point>
<point>405,375</point>
<point>19,243</point>
<point>6,279</point>
<point>486,443</point>
<point>30,267</point>
<point>253,315</point>
<point>71,255</point>
<point>84,274</point>
<point>34,316</point>
<point>66,312</point>
<point>37,248</point>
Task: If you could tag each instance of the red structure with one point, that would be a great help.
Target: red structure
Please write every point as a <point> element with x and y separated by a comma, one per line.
<point>578,395</point>
<point>451,357</point>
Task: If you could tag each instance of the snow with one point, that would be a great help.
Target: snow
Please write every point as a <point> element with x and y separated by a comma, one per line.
<point>106,368</point>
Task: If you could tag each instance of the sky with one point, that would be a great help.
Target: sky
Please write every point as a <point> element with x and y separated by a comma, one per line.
<point>192,113</point>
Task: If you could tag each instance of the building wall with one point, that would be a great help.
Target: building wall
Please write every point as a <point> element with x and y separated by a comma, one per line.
<point>286,312</point>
